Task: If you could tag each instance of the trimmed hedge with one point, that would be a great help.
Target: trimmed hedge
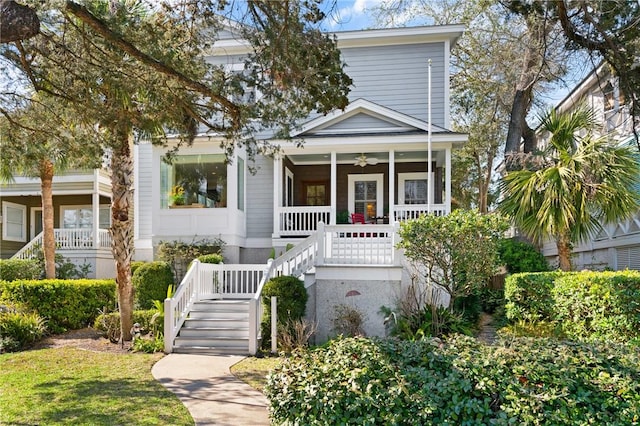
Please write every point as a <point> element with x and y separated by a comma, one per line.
<point>583,305</point>
<point>150,282</point>
<point>20,269</point>
<point>64,304</point>
<point>456,381</point>
<point>292,303</point>
<point>211,258</point>
<point>109,323</point>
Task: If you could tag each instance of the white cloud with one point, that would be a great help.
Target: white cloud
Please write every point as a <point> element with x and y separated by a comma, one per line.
<point>351,14</point>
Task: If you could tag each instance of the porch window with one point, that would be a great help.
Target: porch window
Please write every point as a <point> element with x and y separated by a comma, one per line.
<point>365,194</point>
<point>315,193</point>
<point>14,222</point>
<point>413,188</point>
<point>81,217</point>
<point>194,180</point>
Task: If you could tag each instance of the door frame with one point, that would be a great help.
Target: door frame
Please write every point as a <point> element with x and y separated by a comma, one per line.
<point>32,224</point>
<point>375,177</point>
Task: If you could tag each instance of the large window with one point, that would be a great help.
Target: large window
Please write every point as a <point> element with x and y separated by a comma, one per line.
<point>365,195</point>
<point>14,222</point>
<point>412,188</point>
<point>81,217</point>
<point>195,181</point>
<point>315,193</point>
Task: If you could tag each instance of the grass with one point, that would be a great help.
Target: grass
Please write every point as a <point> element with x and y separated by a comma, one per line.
<point>253,371</point>
<point>73,386</point>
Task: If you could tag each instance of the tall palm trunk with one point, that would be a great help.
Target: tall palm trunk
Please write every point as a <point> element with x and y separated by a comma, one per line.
<point>49,241</point>
<point>563,243</point>
<point>122,227</point>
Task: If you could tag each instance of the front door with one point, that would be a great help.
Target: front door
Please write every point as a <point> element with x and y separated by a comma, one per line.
<point>365,195</point>
<point>36,221</point>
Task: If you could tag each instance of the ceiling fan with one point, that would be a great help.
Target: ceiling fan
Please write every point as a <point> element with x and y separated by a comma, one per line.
<point>362,161</point>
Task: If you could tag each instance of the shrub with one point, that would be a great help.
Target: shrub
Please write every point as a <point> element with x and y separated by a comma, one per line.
<point>20,269</point>
<point>109,323</point>
<point>18,329</point>
<point>150,282</point>
<point>211,258</point>
<point>64,304</point>
<point>348,321</point>
<point>179,255</point>
<point>518,256</point>
<point>292,303</point>
<point>135,265</point>
<point>296,334</point>
<point>529,296</point>
<point>598,305</point>
<point>456,381</point>
<point>149,345</point>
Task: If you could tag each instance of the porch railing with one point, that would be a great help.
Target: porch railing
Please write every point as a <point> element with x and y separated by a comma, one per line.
<point>303,220</point>
<point>358,244</point>
<point>404,212</point>
<point>67,239</point>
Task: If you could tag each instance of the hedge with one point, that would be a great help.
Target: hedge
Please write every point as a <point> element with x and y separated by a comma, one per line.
<point>64,304</point>
<point>583,305</point>
<point>292,303</point>
<point>150,282</point>
<point>456,381</point>
<point>20,269</point>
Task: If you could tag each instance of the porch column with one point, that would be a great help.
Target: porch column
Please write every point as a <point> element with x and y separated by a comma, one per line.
<point>392,185</point>
<point>277,194</point>
<point>447,181</point>
<point>334,188</point>
<point>95,205</point>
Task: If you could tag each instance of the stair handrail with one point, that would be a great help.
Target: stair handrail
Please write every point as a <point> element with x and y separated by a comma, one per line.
<point>275,267</point>
<point>28,251</point>
<point>177,307</point>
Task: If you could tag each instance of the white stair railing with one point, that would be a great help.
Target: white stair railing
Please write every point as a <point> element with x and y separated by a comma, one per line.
<point>67,239</point>
<point>30,250</point>
<point>176,308</point>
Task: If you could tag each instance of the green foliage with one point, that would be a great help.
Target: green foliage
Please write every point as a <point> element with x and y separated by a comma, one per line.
<point>537,329</point>
<point>292,303</point>
<point>150,282</point>
<point>456,381</point>
<point>583,305</point>
<point>342,217</point>
<point>135,265</point>
<point>109,323</point>
<point>518,256</point>
<point>491,299</point>
<point>179,254</point>
<point>457,251</point>
<point>65,268</point>
<point>20,269</point>
<point>64,304</point>
<point>19,329</point>
<point>529,296</point>
<point>149,345</point>
<point>211,258</point>
<point>427,321</point>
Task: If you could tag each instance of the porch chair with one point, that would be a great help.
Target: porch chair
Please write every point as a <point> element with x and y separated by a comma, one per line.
<point>357,218</point>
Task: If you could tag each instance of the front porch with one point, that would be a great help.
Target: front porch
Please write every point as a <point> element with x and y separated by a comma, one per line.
<point>382,187</point>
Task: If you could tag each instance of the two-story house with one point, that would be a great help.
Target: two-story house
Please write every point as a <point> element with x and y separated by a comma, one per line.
<point>617,246</point>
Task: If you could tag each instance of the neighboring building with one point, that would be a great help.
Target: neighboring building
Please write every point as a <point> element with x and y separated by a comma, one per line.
<point>617,246</point>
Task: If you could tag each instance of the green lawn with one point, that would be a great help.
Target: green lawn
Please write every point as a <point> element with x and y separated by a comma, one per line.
<point>73,386</point>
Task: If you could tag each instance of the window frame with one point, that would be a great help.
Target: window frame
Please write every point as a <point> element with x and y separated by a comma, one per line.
<point>23,209</point>
<point>307,183</point>
<point>84,207</point>
<point>403,177</point>
<point>379,179</point>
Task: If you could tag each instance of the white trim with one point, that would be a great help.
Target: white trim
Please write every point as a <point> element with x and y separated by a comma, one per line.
<point>403,177</point>
<point>32,226</point>
<point>8,205</point>
<point>447,85</point>
<point>64,207</point>
<point>376,177</point>
<point>288,174</point>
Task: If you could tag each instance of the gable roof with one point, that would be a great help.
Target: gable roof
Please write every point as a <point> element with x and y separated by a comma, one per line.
<point>362,116</point>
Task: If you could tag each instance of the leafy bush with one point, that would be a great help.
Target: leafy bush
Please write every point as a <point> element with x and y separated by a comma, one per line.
<point>456,381</point>
<point>64,304</point>
<point>179,255</point>
<point>211,258</point>
<point>20,269</point>
<point>150,282</point>
<point>109,323</point>
<point>149,345</point>
<point>135,265</point>
<point>19,329</point>
<point>518,256</point>
<point>598,305</point>
<point>529,296</point>
<point>292,303</point>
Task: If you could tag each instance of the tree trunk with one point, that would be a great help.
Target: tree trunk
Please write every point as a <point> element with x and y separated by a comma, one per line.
<point>122,228</point>
<point>17,22</point>
<point>564,252</point>
<point>48,237</point>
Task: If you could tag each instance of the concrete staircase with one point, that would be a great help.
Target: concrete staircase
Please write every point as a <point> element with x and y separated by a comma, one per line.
<point>215,327</point>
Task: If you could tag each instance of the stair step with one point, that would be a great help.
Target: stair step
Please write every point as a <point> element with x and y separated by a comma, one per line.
<point>206,350</point>
<point>215,333</point>
<point>218,315</point>
<point>218,342</point>
<point>215,322</point>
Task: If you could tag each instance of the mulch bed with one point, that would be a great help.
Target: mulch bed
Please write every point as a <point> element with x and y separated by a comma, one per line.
<point>88,339</point>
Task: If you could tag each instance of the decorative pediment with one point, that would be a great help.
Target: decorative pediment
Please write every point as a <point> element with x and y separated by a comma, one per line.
<point>361,117</point>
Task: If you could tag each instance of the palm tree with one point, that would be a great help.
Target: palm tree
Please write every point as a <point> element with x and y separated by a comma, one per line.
<point>577,184</point>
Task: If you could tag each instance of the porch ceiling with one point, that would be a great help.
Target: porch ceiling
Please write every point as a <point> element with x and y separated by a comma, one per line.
<point>350,158</point>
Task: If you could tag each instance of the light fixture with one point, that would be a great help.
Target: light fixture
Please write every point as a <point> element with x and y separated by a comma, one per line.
<point>362,161</point>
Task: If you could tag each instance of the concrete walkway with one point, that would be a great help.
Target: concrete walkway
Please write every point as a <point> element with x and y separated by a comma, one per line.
<point>210,392</point>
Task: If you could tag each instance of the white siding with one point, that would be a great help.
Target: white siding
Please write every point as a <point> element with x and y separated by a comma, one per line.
<point>259,208</point>
<point>144,193</point>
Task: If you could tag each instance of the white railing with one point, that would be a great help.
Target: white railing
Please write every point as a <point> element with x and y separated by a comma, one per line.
<point>177,308</point>
<point>404,212</point>
<point>66,239</point>
<point>295,221</point>
<point>358,244</point>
